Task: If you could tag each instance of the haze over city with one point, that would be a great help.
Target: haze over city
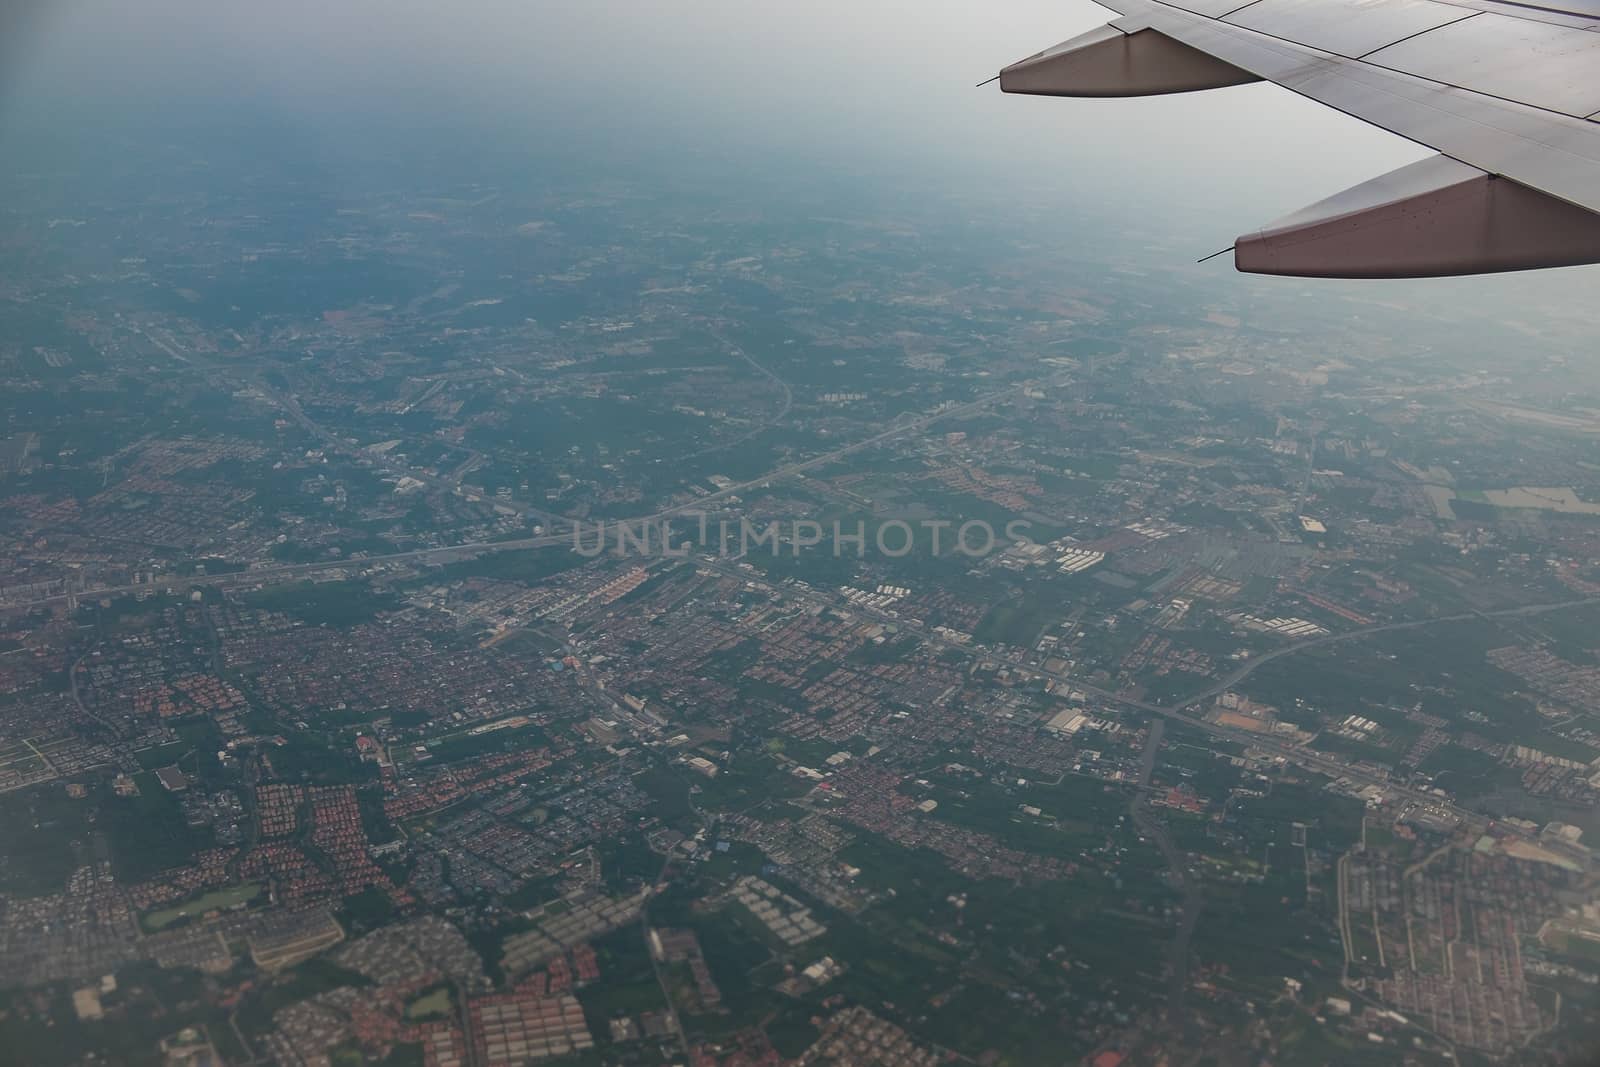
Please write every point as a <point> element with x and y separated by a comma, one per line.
<point>641,533</point>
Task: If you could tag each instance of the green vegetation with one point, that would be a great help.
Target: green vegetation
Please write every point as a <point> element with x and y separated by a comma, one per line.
<point>320,757</point>
<point>746,781</point>
<point>1378,836</point>
<point>366,910</point>
<point>1465,772</point>
<point>161,755</point>
<point>627,984</point>
<point>433,1004</point>
<point>453,748</point>
<point>216,900</point>
<point>148,834</point>
<point>44,836</point>
<point>792,1034</point>
<point>1584,948</point>
<point>1022,616</point>
<point>406,1055</point>
<point>316,975</point>
<point>138,1015</point>
<point>669,788</point>
<point>341,605</point>
<point>994,810</point>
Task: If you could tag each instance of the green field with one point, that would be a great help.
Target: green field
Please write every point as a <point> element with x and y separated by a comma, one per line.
<point>341,605</point>
<point>433,1004</point>
<point>1019,622</point>
<point>1576,945</point>
<point>219,898</point>
<point>1378,836</point>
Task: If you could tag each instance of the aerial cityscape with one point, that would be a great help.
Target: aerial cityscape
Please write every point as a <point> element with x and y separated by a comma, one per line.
<point>504,615</point>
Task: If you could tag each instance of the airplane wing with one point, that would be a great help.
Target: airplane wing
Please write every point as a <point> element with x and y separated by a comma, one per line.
<point>1508,94</point>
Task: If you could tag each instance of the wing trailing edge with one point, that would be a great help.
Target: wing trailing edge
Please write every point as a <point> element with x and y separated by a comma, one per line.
<point>1434,218</point>
<point>1516,185</point>
<point>1111,61</point>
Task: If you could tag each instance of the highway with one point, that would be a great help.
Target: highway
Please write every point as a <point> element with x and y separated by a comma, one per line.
<point>1180,712</point>
<point>765,424</point>
<point>445,553</point>
<point>1306,758</point>
<point>1178,863</point>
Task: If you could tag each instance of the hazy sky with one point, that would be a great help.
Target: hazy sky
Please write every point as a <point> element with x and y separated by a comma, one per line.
<point>826,77</point>
<point>886,83</point>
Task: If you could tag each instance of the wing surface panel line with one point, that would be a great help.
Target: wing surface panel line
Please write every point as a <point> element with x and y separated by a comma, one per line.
<point>1533,124</point>
<point>1235,11</point>
<point>1362,58</point>
<point>1201,22</point>
<point>1379,66</point>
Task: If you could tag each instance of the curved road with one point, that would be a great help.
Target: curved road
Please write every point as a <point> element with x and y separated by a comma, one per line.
<point>761,427</point>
